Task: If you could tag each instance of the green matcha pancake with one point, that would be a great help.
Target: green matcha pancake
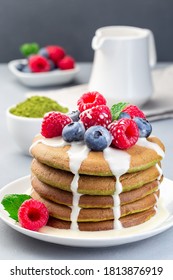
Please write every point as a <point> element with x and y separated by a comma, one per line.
<point>63,212</point>
<point>127,221</point>
<point>146,153</point>
<point>91,201</point>
<point>92,185</point>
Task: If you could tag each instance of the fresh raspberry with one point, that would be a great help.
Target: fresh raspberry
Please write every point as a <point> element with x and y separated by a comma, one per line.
<point>125,133</point>
<point>98,115</point>
<point>89,100</point>
<point>134,111</point>
<point>53,124</point>
<point>55,53</point>
<point>33,214</point>
<point>38,63</point>
<point>66,63</point>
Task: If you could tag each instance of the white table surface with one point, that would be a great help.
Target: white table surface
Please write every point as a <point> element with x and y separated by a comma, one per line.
<point>13,165</point>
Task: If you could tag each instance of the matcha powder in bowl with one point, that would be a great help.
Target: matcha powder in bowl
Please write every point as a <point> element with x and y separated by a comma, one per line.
<point>37,107</point>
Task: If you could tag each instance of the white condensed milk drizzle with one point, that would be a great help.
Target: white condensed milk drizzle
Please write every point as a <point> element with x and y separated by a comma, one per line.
<point>52,142</point>
<point>119,163</point>
<point>77,153</point>
<point>150,145</point>
<point>160,172</point>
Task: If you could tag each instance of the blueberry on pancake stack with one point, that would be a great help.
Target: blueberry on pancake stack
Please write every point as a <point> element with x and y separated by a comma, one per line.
<point>97,168</point>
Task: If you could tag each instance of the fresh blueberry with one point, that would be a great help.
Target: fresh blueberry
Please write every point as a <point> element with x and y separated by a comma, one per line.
<point>26,69</point>
<point>144,127</point>
<point>52,64</point>
<point>20,66</point>
<point>73,132</point>
<point>124,115</point>
<point>74,115</point>
<point>43,52</point>
<point>97,138</point>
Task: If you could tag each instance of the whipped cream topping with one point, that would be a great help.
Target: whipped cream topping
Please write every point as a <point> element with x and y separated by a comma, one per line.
<point>118,161</point>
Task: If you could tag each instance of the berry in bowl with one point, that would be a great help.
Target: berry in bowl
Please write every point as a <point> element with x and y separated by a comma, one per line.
<point>24,119</point>
<point>46,66</point>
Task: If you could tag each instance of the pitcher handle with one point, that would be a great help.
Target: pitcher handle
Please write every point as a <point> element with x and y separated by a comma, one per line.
<point>152,50</point>
<point>96,42</point>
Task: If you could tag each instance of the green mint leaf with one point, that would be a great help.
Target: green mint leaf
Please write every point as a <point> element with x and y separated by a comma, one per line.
<point>12,203</point>
<point>28,49</point>
<point>116,109</point>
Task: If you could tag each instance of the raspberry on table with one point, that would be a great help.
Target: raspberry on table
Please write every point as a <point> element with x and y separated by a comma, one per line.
<point>33,214</point>
<point>89,100</point>
<point>98,115</point>
<point>53,124</point>
<point>125,133</point>
<point>66,63</point>
<point>55,53</point>
<point>134,111</point>
<point>38,63</point>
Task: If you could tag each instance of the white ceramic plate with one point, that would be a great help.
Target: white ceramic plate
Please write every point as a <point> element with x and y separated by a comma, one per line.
<point>161,222</point>
<point>55,77</point>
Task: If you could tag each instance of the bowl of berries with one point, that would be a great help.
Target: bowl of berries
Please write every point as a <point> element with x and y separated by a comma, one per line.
<point>46,66</point>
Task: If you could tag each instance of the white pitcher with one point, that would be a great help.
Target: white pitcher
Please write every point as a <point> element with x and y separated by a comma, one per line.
<point>122,64</point>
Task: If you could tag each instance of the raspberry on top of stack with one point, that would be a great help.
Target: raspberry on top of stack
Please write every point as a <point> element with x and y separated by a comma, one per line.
<point>97,168</point>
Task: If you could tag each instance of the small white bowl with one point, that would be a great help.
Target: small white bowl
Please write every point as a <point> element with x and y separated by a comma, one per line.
<point>22,130</point>
<point>55,77</point>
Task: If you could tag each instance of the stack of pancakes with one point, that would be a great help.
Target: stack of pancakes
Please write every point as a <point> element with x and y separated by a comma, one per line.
<point>52,180</point>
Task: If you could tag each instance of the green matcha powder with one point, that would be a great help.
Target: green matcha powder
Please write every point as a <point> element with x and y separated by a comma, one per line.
<point>36,107</point>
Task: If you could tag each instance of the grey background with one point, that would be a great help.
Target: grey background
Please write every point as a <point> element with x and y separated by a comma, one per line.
<point>72,23</point>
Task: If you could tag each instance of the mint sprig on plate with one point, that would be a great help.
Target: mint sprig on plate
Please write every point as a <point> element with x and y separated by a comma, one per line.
<point>116,109</point>
<point>12,203</point>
